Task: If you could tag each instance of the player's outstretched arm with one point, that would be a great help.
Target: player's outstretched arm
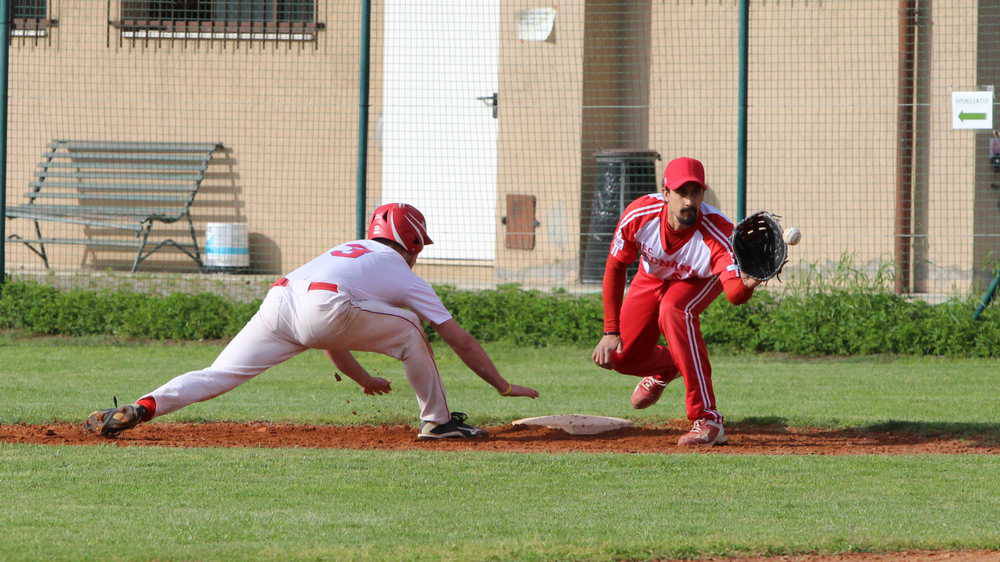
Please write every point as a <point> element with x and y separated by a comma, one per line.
<point>475,357</point>
<point>350,367</point>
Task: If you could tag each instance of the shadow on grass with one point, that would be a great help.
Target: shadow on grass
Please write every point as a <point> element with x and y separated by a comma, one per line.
<point>981,434</point>
<point>763,423</point>
<point>775,430</point>
<point>939,429</point>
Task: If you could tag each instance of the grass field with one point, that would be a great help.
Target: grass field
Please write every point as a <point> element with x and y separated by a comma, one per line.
<point>158,503</point>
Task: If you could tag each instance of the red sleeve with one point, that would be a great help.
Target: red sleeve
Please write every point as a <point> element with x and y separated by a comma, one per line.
<point>613,293</point>
<point>718,230</point>
<point>623,246</point>
<point>736,291</point>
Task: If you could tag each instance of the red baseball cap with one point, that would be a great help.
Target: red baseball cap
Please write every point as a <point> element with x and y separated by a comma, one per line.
<point>684,170</point>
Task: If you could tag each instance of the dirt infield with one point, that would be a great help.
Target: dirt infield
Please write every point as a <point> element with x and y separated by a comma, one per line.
<point>743,439</point>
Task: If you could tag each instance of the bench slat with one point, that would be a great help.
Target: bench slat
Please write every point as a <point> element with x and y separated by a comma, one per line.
<point>172,187</point>
<point>109,197</point>
<point>117,156</point>
<point>135,146</point>
<point>133,227</point>
<point>122,166</point>
<point>93,211</point>
<point>109,176</point>
<point>92,242</point>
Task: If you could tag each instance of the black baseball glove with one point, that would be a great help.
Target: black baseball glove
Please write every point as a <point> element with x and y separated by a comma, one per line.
<point>759,247</point>
<point>111,422</point>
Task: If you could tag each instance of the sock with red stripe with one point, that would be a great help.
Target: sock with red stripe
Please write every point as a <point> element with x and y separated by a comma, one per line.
<point>150,405</point>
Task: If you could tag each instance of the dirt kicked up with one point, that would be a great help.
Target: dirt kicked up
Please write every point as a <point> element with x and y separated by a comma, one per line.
<point>744,439</point>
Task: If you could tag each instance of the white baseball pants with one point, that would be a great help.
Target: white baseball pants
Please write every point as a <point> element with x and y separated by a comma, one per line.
<point>293,318</point>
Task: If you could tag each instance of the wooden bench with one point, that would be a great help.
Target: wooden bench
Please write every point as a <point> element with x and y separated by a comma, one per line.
<point>115,187</point>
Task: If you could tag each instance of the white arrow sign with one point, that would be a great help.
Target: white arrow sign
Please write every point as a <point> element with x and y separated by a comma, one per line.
<point>972,110</point>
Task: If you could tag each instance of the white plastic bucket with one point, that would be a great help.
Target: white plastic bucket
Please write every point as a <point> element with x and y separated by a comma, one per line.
<point>226,245</point>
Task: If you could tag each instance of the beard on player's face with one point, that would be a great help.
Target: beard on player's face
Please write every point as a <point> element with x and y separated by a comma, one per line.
<point>685,199</point>
<point>687,216</point>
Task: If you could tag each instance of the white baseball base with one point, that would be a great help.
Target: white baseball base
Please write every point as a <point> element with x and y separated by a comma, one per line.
<point>577,424</point>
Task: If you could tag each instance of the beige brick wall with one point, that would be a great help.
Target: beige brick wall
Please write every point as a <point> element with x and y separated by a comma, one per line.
<point>822,136</point>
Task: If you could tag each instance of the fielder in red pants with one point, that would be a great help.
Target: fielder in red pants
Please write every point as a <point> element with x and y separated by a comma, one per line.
<point>686,260</point>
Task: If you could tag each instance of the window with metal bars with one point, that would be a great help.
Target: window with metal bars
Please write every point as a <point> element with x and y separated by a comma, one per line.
<point>29,9</point>
<point>219,19</point>
<point>30,17</point>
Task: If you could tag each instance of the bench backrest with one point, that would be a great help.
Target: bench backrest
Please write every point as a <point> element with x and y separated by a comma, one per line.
<point>123,180</point>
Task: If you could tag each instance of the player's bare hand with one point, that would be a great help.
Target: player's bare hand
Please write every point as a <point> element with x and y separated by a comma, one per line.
<point>605,348</point>
<point>518,390</point>
<point>376,385</point>
<point>749,282</point>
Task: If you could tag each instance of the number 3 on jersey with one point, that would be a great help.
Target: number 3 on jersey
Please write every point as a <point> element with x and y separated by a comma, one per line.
<point>350,251</point>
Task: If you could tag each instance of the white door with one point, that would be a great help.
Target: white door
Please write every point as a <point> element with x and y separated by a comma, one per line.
<point>439,141</point>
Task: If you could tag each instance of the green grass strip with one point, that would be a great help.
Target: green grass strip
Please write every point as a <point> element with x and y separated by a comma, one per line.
<point>76,503</point>
<point>63,379</point>
<point>71,503</point>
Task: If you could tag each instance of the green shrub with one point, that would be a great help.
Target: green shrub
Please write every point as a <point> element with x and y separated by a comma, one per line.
<point>845,322</point>
<point>830,321</point>
<point>525,317</point>
<point>41,309</point>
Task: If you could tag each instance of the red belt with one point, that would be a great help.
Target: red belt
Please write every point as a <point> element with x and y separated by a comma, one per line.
<point>314,286</point>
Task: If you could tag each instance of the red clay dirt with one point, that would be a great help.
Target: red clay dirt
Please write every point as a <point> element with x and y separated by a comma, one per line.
<point>743,439</point>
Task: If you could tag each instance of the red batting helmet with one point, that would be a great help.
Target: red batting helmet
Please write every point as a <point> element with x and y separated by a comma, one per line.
<point>401,223</point>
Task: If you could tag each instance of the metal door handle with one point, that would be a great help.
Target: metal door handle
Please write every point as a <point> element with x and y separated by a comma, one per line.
<point>491,101</point>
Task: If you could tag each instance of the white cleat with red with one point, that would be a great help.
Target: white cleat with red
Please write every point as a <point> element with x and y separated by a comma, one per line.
<point>704,433</point>
<point>648,391</point>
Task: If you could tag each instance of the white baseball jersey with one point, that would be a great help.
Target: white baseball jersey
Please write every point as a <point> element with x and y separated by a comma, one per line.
<point>700,252</point>
<point>369,270</point>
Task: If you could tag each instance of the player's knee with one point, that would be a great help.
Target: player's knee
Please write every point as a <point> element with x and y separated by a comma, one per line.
<point>414,343</point>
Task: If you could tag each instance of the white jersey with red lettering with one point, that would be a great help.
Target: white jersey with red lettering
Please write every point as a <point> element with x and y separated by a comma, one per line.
<point>369,270</point>
<point>367,299</point>
<point>700,252</point>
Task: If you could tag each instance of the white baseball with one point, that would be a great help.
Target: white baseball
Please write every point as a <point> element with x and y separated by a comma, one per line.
<point>792,236</point>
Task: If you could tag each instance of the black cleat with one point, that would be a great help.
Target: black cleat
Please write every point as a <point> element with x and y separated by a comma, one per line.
<point>456,428</point>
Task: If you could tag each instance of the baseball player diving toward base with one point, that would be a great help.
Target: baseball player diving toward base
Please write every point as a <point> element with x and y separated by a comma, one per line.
<point>358,296</point>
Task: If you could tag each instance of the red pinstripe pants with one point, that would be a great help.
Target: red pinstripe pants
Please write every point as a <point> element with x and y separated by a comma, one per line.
<point>672,308</point>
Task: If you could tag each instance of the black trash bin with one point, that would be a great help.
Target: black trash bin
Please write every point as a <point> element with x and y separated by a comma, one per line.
<point>622,176</point>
